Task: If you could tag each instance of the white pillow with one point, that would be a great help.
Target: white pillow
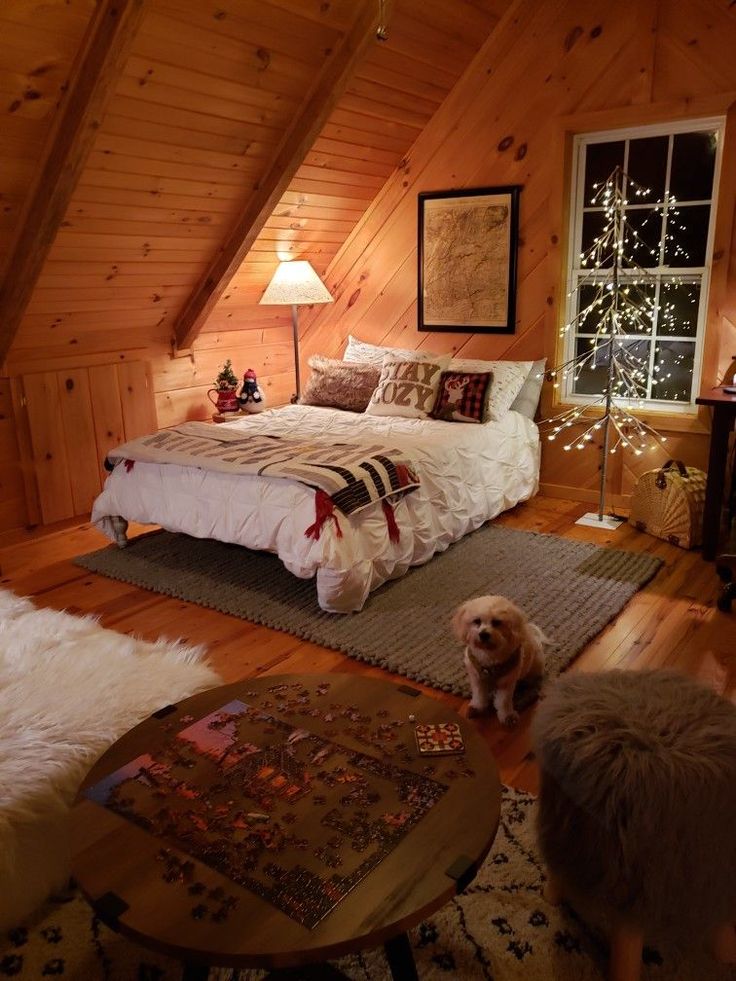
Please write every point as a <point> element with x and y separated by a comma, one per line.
<point>508,380</point>
<point>527,401</point>
<point>371,353</point>
<point>407,386</point>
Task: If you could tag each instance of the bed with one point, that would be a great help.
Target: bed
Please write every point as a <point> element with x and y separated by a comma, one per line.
<point>467,474</point>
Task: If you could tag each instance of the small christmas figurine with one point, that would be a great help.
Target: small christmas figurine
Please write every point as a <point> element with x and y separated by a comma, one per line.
<point>226,385</point>
<point>251,397</point>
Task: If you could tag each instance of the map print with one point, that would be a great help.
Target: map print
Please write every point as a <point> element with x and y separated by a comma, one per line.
<point>294,817</point>
<point>466,261</point>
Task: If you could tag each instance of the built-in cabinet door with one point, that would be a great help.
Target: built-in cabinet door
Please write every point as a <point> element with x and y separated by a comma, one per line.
<point>74,418</point>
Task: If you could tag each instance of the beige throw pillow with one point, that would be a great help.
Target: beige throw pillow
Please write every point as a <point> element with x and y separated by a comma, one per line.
<point>372,353</point>
<point>340,385</point>
<point>508,380</point>
<point>407,386</point>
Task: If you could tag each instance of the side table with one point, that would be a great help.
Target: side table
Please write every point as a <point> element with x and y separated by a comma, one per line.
<point>311,829</point>
<point>724,415</point>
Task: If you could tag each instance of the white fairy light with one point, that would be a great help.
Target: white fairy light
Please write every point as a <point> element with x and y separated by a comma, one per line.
<point>617,304</point>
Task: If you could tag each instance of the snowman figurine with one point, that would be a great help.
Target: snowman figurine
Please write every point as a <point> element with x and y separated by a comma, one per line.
<point>250,398</point>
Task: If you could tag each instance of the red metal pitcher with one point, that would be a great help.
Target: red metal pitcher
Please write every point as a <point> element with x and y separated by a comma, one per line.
<point>226,401</point>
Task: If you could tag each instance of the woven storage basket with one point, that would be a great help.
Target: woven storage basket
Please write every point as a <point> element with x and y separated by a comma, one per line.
<point>668,503</point>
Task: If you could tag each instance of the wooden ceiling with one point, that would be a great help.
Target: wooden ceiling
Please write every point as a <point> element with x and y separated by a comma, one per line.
<point>197,117</point>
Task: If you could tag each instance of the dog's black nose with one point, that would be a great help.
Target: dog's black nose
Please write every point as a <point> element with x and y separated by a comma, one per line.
<point>484,636</point>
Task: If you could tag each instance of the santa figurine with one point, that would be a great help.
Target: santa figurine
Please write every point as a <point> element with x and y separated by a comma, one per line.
<point>250,398</point>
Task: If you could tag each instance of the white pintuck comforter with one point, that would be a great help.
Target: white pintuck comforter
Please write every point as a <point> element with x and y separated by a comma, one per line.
<point>468,473</point>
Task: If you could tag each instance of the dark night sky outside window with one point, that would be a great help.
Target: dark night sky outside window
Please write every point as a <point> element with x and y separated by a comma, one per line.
<point>671,234</point>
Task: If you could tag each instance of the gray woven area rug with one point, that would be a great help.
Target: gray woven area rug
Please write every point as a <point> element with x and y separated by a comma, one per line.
<point>570,589</point>
<point>499,929</point>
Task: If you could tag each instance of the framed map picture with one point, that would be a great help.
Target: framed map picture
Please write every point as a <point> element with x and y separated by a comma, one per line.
<point>467,259</point>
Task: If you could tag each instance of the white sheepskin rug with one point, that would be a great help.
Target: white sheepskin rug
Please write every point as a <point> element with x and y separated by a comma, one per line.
<point>68,689</point>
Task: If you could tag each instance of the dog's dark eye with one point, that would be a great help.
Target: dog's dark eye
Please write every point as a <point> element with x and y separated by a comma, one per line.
<point>496,623</point>
<point>476,622</point>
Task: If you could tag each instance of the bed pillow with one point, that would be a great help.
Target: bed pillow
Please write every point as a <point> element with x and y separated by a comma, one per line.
<point>340,385</point>
<point>372,353</point>
<point>527,401</point>
<point>463,397</point>
<point>508,380</point>
<point>407,387</point>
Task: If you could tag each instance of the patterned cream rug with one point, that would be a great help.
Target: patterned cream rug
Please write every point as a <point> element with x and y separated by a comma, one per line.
<point>500,929</point>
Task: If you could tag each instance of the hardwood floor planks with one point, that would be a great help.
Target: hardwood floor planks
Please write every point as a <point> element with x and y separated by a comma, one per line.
<point>673,622</point>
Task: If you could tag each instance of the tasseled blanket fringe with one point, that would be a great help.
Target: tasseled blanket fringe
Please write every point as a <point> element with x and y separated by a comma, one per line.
<point>393,528</point>
<point>325,509</point>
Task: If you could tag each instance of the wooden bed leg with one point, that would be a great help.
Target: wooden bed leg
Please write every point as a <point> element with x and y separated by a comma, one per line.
<point>120,528</point>
<point>627,944</point>
<point>552,891</point>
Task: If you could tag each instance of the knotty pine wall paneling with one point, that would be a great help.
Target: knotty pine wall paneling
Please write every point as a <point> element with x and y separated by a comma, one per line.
<point>395,92</point>
<point>12,486</point>
<point>197,115</point>
<point>549,69</point>
<point>198,112</point>
<point>74,417</point>
<point>40,39</point>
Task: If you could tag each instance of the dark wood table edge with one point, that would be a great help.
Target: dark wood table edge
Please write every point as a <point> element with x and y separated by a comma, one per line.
<point>393,938</point>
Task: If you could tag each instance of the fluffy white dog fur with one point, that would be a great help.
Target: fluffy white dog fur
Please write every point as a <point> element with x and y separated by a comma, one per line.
<point>68,689</point>
<point>497,633</point>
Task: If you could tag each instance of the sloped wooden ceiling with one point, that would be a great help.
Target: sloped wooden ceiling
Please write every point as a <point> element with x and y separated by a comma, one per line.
<point>206,96</point>
<point>39,44</point>
<point>548,71</point>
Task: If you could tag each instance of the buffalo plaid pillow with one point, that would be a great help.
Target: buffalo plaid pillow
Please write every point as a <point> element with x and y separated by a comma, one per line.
<point>463,396</point>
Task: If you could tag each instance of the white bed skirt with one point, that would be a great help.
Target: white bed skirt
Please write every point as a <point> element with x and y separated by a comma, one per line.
<point>469,474</point>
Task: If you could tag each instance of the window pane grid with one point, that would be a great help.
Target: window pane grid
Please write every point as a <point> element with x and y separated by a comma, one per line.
<point>656,206</point>
<point>663,342</point>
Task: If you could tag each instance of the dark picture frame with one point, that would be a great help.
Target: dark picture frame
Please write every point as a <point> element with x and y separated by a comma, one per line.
<point>467,248</point>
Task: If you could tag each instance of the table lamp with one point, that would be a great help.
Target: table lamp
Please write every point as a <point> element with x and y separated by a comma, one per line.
<point>295,282</point>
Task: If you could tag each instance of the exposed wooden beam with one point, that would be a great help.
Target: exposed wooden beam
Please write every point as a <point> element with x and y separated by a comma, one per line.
<point>101,58</point>
<point>296,143</point>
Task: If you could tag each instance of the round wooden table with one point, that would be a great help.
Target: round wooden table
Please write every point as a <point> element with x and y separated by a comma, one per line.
<point>146,879</point>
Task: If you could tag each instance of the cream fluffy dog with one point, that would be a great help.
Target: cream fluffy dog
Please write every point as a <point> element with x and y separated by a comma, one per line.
<point>501,646</point>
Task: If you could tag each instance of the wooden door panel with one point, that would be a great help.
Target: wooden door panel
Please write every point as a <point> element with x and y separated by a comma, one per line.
<point>136,398</point>
<point>74,418</point>
<point>49,446</point>
<point>79,433</point>
<point>107,410</point>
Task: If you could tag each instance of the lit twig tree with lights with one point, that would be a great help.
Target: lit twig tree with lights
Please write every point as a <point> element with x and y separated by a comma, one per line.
<point>618,305</point>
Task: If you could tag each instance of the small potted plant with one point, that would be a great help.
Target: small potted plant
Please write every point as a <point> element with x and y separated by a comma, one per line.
<point>226,384</point>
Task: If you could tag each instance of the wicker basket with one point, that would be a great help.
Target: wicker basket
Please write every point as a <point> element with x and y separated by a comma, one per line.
<point>668,503</point>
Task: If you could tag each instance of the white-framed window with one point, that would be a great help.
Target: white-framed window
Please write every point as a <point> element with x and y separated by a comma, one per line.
<point>679,165</point>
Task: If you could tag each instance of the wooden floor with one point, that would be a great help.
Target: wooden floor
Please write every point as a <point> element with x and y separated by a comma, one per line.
<point>672,622</point>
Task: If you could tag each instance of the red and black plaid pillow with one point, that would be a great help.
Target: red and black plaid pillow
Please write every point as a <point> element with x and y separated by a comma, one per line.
<point>463,396</point>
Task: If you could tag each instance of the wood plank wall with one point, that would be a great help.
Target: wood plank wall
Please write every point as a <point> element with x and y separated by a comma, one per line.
<point>12,486</point>
<point>200,107</point>
<point>548,70</point>
<point>40,39</point>
<point>198,112</point>
<point>70,420</point>
<point>396,91</point>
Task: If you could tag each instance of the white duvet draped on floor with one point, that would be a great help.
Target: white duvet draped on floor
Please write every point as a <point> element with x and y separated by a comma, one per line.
<point>469,473</point>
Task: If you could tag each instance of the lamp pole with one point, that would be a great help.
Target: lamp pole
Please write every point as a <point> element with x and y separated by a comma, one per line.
<point>295,329</point>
